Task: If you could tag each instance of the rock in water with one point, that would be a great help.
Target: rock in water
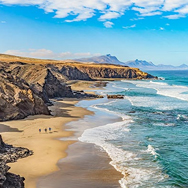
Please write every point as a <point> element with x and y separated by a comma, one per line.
<point>115,96</point>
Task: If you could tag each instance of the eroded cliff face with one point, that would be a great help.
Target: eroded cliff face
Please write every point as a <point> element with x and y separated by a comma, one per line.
<point>42,74</point>
<point>10,154</point>
<point>55,88</point>
<point>93,71</point>
<point>17,99</point>
<point>45,80</point>
<point>73,72</point>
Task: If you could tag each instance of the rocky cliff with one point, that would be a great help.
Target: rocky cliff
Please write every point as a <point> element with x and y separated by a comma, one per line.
<point>95,71</point>
<point>17,99</point>
<point>9,154</point>
<point>49,80</point>
<point>26,87</point>
<point>45,80</point>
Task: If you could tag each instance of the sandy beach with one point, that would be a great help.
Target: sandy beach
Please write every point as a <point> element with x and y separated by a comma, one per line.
<point>86,166</point>
<point>57,160</point>
<point>46,146</point>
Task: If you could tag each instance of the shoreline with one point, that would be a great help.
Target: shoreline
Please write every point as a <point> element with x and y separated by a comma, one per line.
<point>53,147</point>
<point>47,147</point>
<point>86,165</point>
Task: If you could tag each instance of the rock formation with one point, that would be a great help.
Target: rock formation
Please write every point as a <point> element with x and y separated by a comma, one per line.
<point>17,99</point>
<point>9,154</point>
<point>46,81</point>
<point>115,96</point>
<point>95,71</point>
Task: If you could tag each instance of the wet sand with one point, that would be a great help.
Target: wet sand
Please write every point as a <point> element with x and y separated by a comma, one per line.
<point>86,165</point>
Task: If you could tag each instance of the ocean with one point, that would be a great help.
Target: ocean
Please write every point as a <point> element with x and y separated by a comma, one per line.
<point>150,145</point>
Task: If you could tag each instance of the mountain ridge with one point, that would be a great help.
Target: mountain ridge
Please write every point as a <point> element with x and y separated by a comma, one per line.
<point>103,59</point>
<point>145,65</point>
<point>141,64</point>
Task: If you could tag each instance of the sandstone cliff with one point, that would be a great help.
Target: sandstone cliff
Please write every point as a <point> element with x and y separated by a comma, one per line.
<point>78,71</point>
<point>17,99</point>
<point>45,80</point>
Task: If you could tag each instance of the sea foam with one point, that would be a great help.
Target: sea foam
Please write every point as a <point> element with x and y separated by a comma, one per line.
<point>102,136</point>
<point>163,88</point>
<point>152,151</point>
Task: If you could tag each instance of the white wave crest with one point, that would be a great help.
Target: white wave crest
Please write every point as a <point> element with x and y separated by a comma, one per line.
<point>162,89</point>
<point>133,176</point>
<point>152,151</point>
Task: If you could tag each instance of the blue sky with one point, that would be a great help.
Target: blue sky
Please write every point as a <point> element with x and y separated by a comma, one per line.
<point>152,30</point>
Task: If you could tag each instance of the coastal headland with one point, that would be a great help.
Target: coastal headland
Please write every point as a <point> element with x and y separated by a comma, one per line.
<point>37,95</point>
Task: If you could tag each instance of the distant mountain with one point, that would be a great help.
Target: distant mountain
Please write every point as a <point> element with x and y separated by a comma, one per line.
<point>183,66</point>
<point>141,64</point>
<point>144,65</point>
<point>104,59</point>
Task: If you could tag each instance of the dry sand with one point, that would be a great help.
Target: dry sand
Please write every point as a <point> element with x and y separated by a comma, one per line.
<point>47,149</point>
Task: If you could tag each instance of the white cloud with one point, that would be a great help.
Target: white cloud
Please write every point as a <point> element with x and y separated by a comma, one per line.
<point>109,15</point>
<point>162,28</point>
<point>131,26</point>
<point>15,52</point>
<point>183,10</point>
<point>174,16</point>
<point>3,22</point>
<point>105,10</point>
<point>152,13</point>
<point>170,5</point>
<point>108,24</point>
<point>146,11</point>
<point>48,54</point>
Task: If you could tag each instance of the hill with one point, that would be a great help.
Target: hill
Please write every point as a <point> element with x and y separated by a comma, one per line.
<point>12,58</point>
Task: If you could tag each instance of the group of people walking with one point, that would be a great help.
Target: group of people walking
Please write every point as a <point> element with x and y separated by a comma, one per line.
<point>46,130</point>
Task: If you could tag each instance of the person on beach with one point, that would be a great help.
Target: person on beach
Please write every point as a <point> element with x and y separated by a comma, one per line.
<point>39,130</point>
<point>45,130</point>
<point>50,129</point>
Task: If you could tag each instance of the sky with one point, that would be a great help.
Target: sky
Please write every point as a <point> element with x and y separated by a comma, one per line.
<point>151,30</point>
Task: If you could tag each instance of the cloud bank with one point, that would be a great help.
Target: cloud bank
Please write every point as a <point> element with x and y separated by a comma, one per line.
<point>48,54</point>
<point>106,10</point>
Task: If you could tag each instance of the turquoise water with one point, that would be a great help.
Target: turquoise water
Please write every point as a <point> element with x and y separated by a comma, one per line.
<point>150,145</point>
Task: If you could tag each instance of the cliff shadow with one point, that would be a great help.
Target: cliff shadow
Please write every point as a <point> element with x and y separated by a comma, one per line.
<point>61,109</point>
<point>5,128</point>
<point>63,113</point>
